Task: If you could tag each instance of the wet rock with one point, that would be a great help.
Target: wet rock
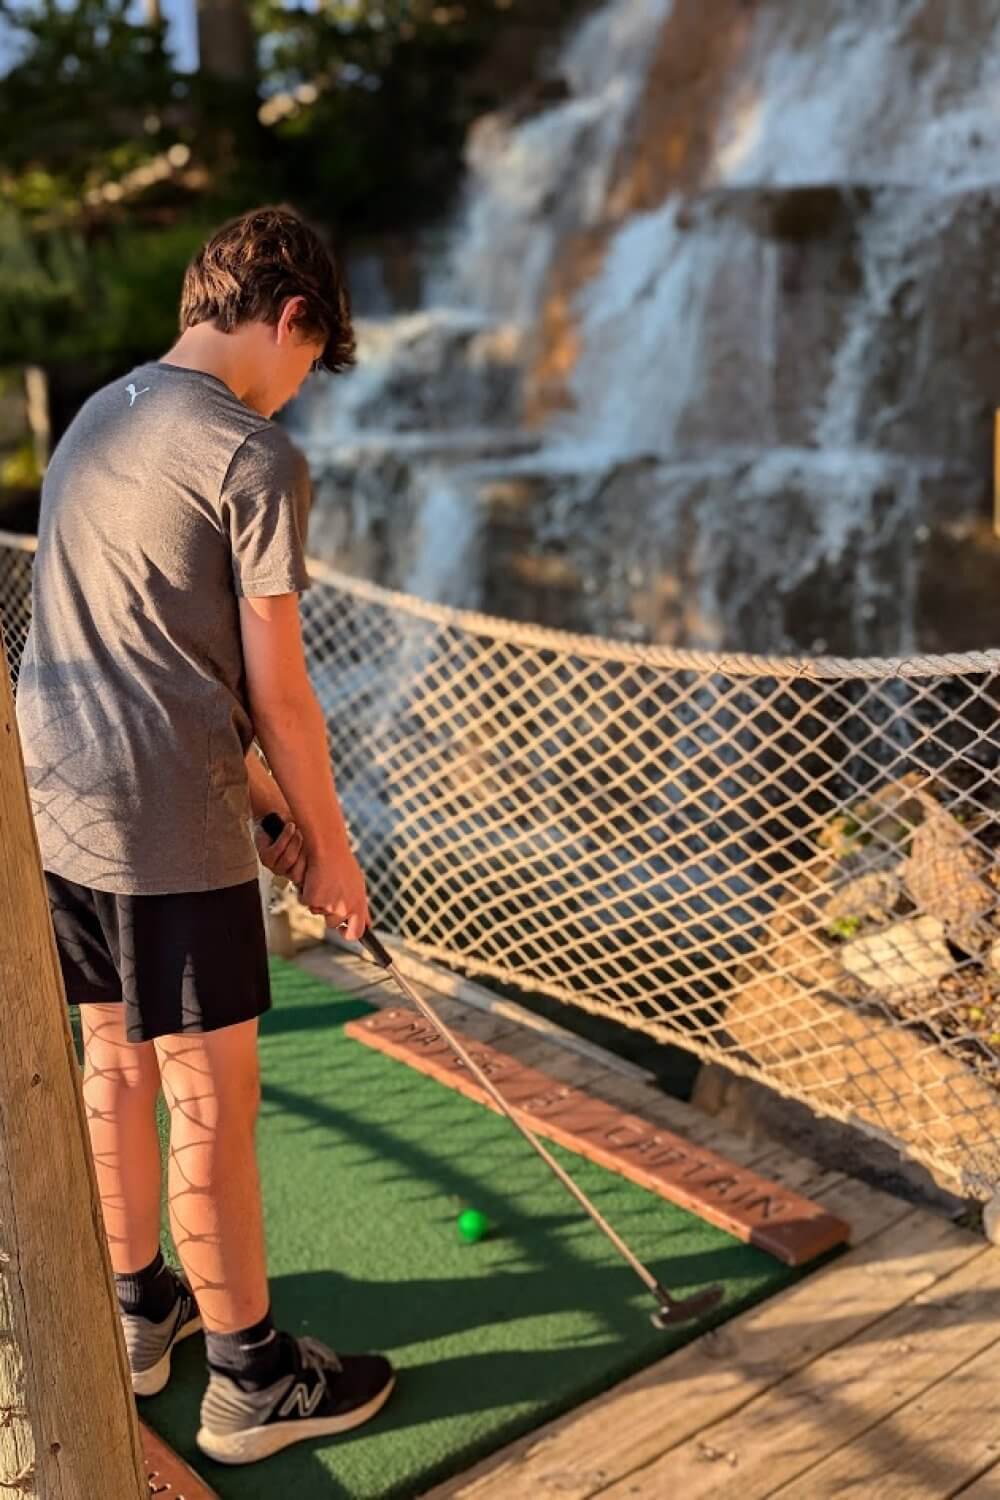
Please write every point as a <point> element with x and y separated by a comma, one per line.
<point>871,1072</point>
<point>943,876</point>
<point>434,371</point>
<point>871,896</point>
<point>894,809</point>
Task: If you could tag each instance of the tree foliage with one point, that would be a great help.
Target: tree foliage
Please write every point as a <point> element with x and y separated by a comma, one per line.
<point>356,114</point>
<point>92,95</point>
<point>64,299</point>
<point>396,90</point>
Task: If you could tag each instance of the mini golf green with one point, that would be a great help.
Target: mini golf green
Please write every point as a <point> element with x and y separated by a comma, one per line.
<point>366,1165</point>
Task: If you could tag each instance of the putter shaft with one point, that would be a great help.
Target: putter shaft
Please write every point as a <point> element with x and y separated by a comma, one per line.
<point>371,942</point>
<point>670,1309</point>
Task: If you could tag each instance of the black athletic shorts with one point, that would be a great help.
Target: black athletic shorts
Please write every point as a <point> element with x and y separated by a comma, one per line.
<point>190,961</point>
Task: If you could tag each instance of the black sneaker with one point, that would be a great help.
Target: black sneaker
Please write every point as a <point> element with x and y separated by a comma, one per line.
<point>149,1345</point>
<point>324,1394</point>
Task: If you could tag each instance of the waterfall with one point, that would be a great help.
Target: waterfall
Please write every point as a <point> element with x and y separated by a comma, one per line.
<point>710,341</point>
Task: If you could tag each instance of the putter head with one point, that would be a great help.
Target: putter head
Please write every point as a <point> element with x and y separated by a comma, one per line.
<point>672,1310</point>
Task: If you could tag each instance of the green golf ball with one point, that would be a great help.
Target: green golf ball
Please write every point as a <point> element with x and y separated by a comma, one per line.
<point>472,1225</point>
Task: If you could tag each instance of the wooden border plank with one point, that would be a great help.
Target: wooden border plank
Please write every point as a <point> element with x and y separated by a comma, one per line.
<point>170,1478</point>
<point>474,1012</point>
<point>986,1487</point>
<point>727,1194</point>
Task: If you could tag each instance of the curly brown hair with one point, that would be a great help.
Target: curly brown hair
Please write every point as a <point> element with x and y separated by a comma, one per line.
<point>253,263</point>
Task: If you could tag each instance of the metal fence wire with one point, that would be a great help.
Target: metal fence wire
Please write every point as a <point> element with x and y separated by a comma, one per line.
<point>787,866</point>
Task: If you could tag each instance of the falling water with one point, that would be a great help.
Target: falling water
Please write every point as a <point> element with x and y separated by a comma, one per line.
<point>711,344</point>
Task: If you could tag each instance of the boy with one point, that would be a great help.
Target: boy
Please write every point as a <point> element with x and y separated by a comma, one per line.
<point>165,639</point>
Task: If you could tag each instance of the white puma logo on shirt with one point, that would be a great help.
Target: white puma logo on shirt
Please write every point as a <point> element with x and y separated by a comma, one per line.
<point>132,392</point>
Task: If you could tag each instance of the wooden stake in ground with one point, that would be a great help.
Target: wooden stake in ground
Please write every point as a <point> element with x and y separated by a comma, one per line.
<point>68,1427</point>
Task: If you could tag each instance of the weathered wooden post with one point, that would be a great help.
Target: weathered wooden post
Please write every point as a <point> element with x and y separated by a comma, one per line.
<point>68,1426</point>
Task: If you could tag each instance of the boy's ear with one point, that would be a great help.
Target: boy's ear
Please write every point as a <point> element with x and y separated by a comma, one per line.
<point>291,312</point>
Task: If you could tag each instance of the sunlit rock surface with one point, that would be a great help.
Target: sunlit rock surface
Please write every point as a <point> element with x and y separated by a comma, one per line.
<point>712,354</point>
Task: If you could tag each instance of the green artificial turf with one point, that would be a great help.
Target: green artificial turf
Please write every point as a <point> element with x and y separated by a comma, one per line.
<point>365,1166</point>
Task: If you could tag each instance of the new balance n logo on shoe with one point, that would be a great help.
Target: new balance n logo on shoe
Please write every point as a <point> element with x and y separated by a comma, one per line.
<point>300,1397</point>
<point>132,392</point>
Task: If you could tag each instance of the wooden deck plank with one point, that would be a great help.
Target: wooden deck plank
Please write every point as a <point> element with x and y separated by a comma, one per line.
<point>798,1172</point>
<point>548,1056</point>
<point>986,1487</point>
<point>776,1440</point>
<point>615,1434</point>
<point>939,1440</point>
<point>479,1024</point>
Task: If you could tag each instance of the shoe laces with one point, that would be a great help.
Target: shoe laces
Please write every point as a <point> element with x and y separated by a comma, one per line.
<point>316,1356</point>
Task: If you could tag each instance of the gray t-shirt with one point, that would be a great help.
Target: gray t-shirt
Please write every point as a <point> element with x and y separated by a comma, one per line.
<point>165,499</point>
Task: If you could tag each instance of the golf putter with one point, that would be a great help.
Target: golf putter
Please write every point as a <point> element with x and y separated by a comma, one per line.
<point>669,1309</point>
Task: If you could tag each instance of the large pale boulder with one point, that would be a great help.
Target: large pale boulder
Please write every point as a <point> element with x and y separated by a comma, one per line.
<point>861,1068</point>
<point>902,960</point>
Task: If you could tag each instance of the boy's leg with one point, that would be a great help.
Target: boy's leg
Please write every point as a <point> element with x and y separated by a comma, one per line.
<point>121,1080</point>
<point>211,1082</point>
<point>120,1083</point>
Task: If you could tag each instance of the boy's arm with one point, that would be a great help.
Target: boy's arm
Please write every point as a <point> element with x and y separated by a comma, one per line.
<point>289,725</point>
<point>265,793</point>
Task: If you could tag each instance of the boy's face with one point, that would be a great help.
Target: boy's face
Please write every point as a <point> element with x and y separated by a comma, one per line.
<point>277,358</point>
<point>285,365</point>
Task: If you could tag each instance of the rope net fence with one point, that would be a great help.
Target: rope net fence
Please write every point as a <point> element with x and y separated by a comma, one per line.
<point>788,866</point>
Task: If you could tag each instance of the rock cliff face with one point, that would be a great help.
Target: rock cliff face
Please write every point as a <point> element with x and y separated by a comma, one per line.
<point>713,353</point>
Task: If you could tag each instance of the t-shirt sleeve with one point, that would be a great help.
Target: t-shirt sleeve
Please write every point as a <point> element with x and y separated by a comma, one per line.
<point>264,505</point>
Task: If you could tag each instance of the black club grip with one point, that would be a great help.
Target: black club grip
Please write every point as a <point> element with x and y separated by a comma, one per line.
<point>272,824</point>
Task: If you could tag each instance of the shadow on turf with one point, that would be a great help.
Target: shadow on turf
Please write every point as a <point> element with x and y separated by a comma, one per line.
<point>407,1319</point>
<point>394,1158</point>
<point>352,1313</point>
<point>355,1315</point>
<point>398,1315</point>
<point>400,1454</point>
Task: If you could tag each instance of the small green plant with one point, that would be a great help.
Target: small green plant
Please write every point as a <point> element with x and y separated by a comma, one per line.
<point>844,927</point>
<point>843,835</point>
